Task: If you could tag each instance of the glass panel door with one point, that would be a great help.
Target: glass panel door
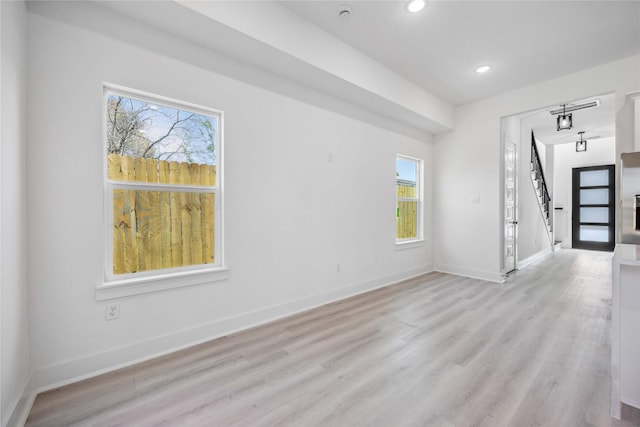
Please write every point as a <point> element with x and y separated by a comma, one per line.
<point>593,208</point>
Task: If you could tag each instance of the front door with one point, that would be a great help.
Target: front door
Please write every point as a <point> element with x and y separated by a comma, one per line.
<point>594,215</point>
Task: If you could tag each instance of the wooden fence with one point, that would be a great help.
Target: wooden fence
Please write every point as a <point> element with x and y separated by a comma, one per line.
<point>161,229</point>
<point>406,211</point>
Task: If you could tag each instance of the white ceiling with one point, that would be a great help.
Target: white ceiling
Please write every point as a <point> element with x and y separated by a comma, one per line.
<point>526,42</point>
<point>408,68</point>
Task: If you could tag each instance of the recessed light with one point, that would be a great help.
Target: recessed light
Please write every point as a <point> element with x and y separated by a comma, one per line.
<point>415,6</point>
<point>483,69</point>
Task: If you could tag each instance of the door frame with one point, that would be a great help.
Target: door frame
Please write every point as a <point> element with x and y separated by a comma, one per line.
<point>576,243</point>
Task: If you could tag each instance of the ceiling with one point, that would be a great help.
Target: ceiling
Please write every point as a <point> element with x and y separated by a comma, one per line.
<point>526,42</point>
<point>412,69</point>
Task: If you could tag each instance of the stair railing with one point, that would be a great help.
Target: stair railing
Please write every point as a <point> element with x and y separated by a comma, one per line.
<point>545,199</point>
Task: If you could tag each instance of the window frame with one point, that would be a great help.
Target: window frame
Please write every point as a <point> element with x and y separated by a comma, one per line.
<point>126,284</point>
<point>419,199</point>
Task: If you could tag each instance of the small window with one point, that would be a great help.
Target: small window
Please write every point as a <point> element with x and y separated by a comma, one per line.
<point>408,199</point>
<point>163,198</point>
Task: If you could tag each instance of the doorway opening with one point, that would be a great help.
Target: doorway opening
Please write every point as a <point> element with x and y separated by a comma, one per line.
<point>526,235</point>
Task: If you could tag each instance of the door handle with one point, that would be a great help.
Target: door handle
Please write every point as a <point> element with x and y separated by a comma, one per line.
<point>514,222</point>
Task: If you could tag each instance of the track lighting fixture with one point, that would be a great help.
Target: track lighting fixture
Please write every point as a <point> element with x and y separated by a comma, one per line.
<point>565,121</point>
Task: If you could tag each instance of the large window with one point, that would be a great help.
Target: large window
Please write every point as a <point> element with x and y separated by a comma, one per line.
<point>408,199</point>
<point>162,186</point>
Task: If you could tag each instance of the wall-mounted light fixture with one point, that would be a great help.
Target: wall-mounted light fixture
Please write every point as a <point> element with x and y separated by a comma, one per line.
<point>582,144</point>
<point>565,121</point>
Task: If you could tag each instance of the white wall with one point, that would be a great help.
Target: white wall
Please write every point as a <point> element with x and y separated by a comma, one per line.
<point>15,350</point>
<point>291,216</point>
<point>599,152</point>
<point>467,236</point>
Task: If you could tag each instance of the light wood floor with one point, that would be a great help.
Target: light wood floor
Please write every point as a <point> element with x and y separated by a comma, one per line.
<point>440,350</point>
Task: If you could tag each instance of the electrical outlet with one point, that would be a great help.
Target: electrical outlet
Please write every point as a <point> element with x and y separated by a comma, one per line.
<point>338,268</point>
<point>112,311</point>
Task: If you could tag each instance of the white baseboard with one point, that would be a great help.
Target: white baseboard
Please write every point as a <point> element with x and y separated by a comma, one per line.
<point>22,406</point>
<point>61,374</point>
<point>469,272</point>
<point>533,258</point>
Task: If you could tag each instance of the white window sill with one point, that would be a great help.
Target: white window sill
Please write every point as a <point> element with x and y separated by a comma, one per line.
<point>409,244</point>
<point>146,284</point>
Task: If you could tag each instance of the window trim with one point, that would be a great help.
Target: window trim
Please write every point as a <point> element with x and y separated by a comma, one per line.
<point>120,285</point>
<point>412,242</point>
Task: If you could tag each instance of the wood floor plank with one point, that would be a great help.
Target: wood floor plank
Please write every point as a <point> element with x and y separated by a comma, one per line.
<point>438,350</point>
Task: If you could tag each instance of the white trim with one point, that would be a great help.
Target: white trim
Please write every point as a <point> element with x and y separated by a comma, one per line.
<point>21,408</point>
<point>88,366</point>
<point>409,244</point>
<point>165,100</point>
<point>630,402</point>
<point>122,285</point>
<point>616,363</point>
<point>533,258</point>
<point>419,199</point>
<point>160,282</point>
<point>469,272</point>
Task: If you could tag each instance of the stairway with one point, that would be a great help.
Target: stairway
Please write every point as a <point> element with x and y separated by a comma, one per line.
<point>540,185</point>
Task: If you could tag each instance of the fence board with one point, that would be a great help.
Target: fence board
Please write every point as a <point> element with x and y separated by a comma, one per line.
<point>406,191</point>
<point>119,230</point>
<point>163,172</point>
<point>184,177</point>
<point>207,232</point>
<point>176,230</point>
<point>165,228</point>
<point>155,231</point>
<point>114,163</point>
<point>140,169</point>
<point>127,169</point>
<point>143,235</point>
<point>152,170</point>
<point>196,228</point>
<point>174,173</point>
<point>203,178</point>
<point>130,241</point>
